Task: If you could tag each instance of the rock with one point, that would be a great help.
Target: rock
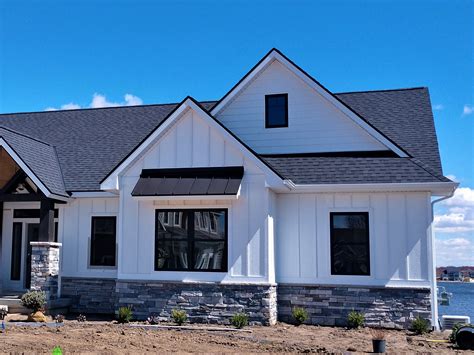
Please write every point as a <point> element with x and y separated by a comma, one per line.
<point>37,316</point>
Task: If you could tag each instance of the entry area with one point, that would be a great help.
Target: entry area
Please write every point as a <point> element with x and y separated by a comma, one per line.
<point>21,226</point>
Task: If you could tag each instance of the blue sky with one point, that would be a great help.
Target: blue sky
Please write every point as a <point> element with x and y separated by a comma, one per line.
<point>55,53</point>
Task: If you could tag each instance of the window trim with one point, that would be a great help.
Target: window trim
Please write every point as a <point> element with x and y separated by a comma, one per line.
<point>190,239</point>
<point>89,254</point>
<point>267,123</point>
<point>368,234</point>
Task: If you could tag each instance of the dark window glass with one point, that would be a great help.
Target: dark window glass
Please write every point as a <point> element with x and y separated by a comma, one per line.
<point>192,240</point>
<point>15,272</point>
<point>103,241</point>
<point>276,111</point>
<point>350,243</point>
<point>30,213</point>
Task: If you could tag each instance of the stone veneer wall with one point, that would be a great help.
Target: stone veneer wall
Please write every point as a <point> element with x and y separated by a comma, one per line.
<point>330,305</point>
<point>45,268</point>
<point>204,302</point>
<point>89,295</point>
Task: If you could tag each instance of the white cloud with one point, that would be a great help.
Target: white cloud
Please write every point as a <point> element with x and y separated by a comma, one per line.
<point>455,251</point>
<point>458,215</point>
<point>438,107</point>
<point>467,110</point>
<point>99,100</point>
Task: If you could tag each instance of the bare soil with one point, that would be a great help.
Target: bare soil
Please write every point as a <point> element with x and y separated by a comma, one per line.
<point>110,338</point>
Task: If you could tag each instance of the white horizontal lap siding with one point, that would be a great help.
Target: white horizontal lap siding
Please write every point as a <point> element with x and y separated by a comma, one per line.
<point>191,142</point>
<point>75,234</point>
<point>315,125</point>
<point>398,224</point>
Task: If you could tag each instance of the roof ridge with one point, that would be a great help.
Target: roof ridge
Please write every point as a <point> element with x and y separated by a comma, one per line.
<point>381,90</point>
<point>26,136</point>
<point>98,108</point>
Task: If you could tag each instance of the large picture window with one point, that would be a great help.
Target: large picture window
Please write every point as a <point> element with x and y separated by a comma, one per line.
<point>103,241</point>
<point>191,240</point>
<point>350,243</point>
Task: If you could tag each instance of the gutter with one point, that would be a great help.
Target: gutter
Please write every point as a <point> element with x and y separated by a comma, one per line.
<point>434,294</point>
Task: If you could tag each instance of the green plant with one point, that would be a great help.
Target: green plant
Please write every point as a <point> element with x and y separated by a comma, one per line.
<point>125,314</point>
<point>420,326</point>
<point>355,319</point>
<point>179,316</point>
<point>34,300</point>
<point>239,320</point>
<point>300,315</point>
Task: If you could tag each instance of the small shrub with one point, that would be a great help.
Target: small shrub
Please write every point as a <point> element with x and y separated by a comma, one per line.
<point>125,314</point>
<point>179,316</point>
<point>59,318</point>
<point>153,319</point>
<point>240,320</point>
<point>300,315</point>
<point>81,318</point>
<point>420,326</point>
<point>34,300</point>
<point>355,319</point>
<point>3,313</point>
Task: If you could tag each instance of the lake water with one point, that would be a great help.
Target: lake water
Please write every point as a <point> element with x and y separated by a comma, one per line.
<point>462,302</point>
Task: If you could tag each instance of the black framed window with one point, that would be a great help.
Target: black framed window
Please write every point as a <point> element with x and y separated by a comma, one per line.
<point>103,241</point>
<point>191,240</point>
<point>276,111</point>
<point>350,252</point>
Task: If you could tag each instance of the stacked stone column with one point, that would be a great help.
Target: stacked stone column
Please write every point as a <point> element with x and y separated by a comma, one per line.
<point>45,268</point>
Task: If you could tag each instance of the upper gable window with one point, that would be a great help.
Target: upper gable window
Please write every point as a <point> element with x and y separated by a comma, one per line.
<point>276,111</point>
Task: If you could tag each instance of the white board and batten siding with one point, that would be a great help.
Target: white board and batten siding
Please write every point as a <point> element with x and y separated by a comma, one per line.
<point>191,142</point>
<point>315,124</point>
<point>398,237</point>
<point>75,235</point>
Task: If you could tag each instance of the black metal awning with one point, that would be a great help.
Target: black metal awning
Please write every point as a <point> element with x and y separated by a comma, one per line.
<point>189,181</point>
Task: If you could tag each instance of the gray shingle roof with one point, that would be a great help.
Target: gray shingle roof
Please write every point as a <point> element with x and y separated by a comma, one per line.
<point>349,170</point>
<point>40,157</point>
<point>91,142</point>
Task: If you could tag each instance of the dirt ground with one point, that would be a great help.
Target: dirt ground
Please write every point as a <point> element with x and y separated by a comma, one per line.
<point>108,337</point>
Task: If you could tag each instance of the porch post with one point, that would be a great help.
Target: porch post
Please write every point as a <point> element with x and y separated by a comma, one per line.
<point>46,227</point>
<point>45,268</point>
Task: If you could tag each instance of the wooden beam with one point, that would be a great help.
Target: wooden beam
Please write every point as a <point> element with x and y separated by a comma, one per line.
<point>21,197</point>
<point>46,227</point>
<point>1,222</point>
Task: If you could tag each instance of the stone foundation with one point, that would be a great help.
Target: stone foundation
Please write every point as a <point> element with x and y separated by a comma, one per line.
<point>89,295</point>
<point>45,268</point>
<point>204,302</point>
<point>330,305</point>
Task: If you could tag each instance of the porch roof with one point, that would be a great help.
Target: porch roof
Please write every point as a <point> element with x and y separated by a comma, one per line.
<point>37,158</point>
<point>189,181</point>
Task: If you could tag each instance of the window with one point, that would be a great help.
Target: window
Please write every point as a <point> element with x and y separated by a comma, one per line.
<point>103,241</point>
<point>276,111</point>
<point>197,240</point>
<point>15,270</point>
<point>350,243</point>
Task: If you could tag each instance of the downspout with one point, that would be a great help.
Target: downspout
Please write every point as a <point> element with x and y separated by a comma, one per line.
<point>434,294</point>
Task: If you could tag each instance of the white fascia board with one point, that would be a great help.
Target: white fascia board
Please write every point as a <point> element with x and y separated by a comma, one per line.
<point>187,198</point>
<point>274,55</point>
<point>93,194</point>
<point>29,172</point>
<point>436,188</point>
<point>112,181</point>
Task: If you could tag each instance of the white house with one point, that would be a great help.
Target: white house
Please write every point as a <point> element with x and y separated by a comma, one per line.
<point>281,194</point>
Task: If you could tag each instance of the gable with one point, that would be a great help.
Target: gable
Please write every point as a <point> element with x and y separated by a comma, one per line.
<point>8,168</point>
<point>190,137</point>
<point>314,123</point>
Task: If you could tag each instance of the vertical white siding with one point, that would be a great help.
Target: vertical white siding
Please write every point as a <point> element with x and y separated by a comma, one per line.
<point>398,237</point>
<point>191,142</point>
<point>75,234</point>
<point>315,125</point>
